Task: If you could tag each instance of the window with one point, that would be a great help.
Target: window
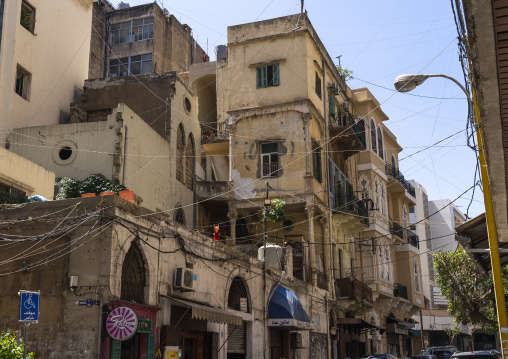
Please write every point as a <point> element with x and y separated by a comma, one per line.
<point>130,31</point>
<point>412,209</point>
<point>23,79</point>
<point>180,148</point>
<point>331,107</point>
<point>417,276</point>
<point>267,76</point>
<point>373,141</point>
<point>316,161</point>
<point>134,65</point>
<point>270,159</point>
<point>318,85</point>
<point>27,18</point>
<point>190,161</point>
<point>380,148</point>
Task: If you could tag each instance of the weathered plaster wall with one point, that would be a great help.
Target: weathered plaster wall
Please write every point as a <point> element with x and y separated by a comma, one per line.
<point>54,78</point>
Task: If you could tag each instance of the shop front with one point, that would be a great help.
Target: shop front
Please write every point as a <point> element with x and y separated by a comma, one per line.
<point>287,321</point>
<point>129,330</point>
<point>351,330</point>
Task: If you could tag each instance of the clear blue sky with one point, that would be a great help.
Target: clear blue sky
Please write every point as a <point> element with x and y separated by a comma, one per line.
<point>378,40</point>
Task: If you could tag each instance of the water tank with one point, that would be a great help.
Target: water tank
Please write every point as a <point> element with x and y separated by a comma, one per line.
<point>123,5</point>
<point>221,52</point>
<point>274,255</point>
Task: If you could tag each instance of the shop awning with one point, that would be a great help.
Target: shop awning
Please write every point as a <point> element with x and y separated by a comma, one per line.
<point>204,312</point>
<point>400,322</point>
<point>286,312</point>
<point>359,324</point>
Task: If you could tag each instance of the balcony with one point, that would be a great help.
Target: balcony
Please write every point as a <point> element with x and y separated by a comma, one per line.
<point>405,234</point>
<point>346,134</point>
<point>353,289</point>
<point>393,172</point>
<point>342,197</point>
<point>215,190</point>
<point>216,141</point>
<point>400,291</point>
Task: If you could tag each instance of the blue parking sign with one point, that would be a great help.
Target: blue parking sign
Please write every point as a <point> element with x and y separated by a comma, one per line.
<point>29,306</point>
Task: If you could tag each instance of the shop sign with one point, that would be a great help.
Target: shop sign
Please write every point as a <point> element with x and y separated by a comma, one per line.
<point>122,323</point>
<point>144,325</point>
<point>243,305</point>
<point>400,329</point>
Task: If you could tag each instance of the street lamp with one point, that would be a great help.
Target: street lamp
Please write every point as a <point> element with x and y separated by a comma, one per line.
<point>406,83</point>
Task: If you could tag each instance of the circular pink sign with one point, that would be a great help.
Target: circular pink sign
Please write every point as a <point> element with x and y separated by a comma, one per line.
<point>122,323</point>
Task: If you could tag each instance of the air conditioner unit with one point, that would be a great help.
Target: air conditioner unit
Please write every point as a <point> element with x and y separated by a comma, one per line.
<point>334,88</point>
<point>345,106</point>
<point>184,279</point>
<point>297,340</point>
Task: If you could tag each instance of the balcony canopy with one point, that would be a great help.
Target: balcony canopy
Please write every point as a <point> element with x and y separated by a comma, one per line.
<point>286,312</point>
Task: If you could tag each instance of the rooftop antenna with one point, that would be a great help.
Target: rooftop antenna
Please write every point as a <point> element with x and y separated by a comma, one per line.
<point>338,57</point>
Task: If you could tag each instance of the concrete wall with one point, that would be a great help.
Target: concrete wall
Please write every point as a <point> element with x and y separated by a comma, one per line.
<point>25,175</point>
<point>443,224</point>
<point>53,78</point>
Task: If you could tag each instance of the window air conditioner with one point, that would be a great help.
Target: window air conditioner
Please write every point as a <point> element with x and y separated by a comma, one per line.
<point>334,88</point>
<point>345,106</point>
<point>184,279</point>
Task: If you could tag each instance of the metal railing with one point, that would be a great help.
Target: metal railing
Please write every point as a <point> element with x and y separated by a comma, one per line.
<point>400,290</point>
<point>353,289</point>
<point>405,234</point>
<point>348,120</point>
<point>393,171</point>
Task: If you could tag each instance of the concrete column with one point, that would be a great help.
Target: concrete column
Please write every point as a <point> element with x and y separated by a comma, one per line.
<point>310,208</point>
<point>233,216</point>
<point>327,267</point>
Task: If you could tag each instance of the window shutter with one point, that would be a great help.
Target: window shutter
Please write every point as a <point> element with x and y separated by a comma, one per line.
<point>331,107</point>
<point>276,77</point>
<point>116,349</point>
<point>261,77</point>
<point>150,352</point>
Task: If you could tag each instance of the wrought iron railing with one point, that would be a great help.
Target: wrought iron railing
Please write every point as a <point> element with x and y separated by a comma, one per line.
<point>400,290</point>
<point>405,234</point>
<point>353,289</point>
<point>393,171</point>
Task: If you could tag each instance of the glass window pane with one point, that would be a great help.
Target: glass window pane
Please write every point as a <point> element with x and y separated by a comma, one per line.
<point>115,27</point>
<point>124,36</point>
<point>146,56</point>
<point>136,58</point>
<point>269,147</point>
<point>113,62</point>
<point>147,67</point>
<point>148,20</point>
<point>135,68</point>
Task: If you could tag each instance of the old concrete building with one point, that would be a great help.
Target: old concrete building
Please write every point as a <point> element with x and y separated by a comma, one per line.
<point>139,40</point>
<point>185,290</point>
<point>36,89</point>
<point>154,154</point>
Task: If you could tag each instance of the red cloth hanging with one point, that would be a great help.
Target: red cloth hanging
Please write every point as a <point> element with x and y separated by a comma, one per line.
<point>216,232</point>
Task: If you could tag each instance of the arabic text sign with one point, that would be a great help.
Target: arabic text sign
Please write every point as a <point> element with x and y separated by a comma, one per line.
<point>29,306</point>
<point>122,323</point>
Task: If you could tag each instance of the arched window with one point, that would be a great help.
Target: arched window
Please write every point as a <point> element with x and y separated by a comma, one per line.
<point>418,287</point>
<point>180,148</point>
<point>179,215</point>
<point>383,202</point>
<point>381,262</point>
<point>380,149</point>
<point>133,276</point>
<point>190,166</point>
<point>361,126</point>
<point>238,294</point>
<point>394,164</point>
<point>373,142</point>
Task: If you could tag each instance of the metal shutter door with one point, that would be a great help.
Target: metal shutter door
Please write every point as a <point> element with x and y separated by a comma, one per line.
<point>236,341</point>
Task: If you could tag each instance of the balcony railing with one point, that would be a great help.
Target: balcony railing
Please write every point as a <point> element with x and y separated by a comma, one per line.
<point>347,132</point>
<point>218,190</point>
<point>342,197</point>
<point>211,135</point>
<point>400,290</point>
<point>353,289</point>
<point>393,171</point>
<point>405,234</point>
<point>321,280</point>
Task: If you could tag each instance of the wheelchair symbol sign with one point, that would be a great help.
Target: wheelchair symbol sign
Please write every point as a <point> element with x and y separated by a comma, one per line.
<point>28,306</point>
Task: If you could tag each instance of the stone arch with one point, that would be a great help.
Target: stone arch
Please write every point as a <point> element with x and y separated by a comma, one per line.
<point>237,290</point>
<point>190,162</point>
<point>180,152</point>
<point>134,275</point>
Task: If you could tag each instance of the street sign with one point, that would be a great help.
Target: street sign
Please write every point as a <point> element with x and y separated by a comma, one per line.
<point>29,306</point>
<point>88,302</point>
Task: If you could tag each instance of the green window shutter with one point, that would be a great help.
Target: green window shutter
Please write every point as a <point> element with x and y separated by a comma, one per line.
<point>116,349</point>
<point>262,80</point>
<point>276,77</point>
<point>151,346</point>
<point>331,106</point>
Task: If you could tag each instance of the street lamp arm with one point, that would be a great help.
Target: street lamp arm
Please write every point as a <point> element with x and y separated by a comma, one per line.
<point>457,82</point>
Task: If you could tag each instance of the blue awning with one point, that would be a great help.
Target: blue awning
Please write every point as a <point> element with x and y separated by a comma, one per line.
<point>286,311</point>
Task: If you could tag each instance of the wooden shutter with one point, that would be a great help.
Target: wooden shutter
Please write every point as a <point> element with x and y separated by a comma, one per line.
<point>151,347</point>
<point>261,80</point>
<point>331,104</point>
<point>116,349</point>
<point>276,77</point>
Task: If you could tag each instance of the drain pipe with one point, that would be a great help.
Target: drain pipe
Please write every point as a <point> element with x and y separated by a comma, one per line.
<point>124,155</point>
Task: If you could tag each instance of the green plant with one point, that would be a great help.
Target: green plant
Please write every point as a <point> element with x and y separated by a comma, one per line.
<point>345,73</point>
<point>8,198</point>
<point>275,212</point>
<point>95,183</point>
<point>10,348</point>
